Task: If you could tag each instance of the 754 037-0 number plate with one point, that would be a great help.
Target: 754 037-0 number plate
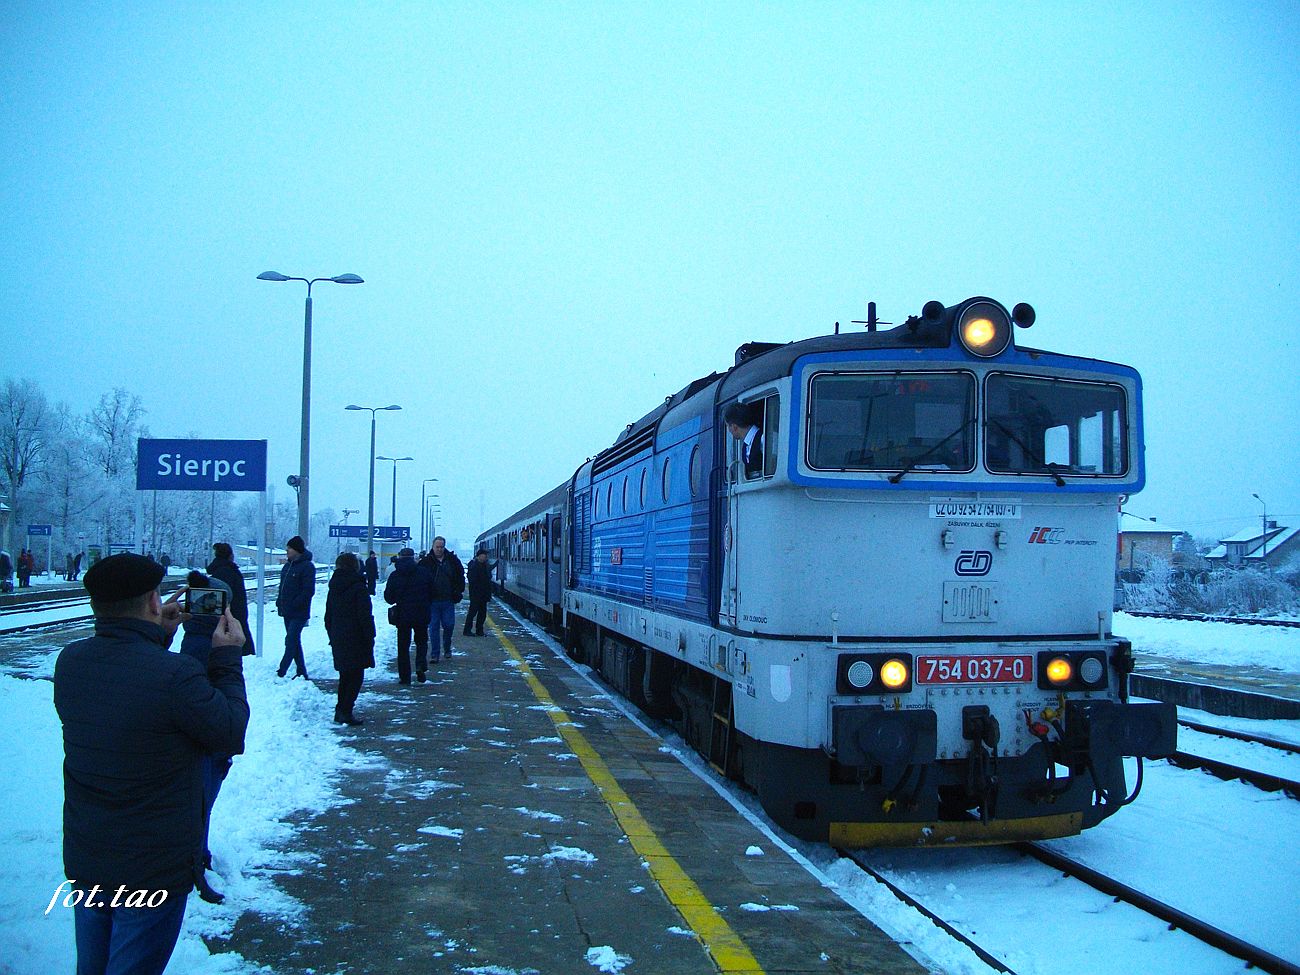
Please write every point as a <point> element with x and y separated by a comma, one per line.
<point>975,669</point>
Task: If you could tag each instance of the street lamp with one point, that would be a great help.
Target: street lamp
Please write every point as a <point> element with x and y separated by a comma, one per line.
<point>1264,518</point>
<point>370,531</point>
<point>304,461</point>
<point>424,504</point>
<point>433,526</point>
<point>395,461</point>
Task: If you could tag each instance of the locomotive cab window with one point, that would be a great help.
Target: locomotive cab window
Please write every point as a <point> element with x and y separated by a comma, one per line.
<point>1055,426</point>
<point>891,421</point>
<point>752,440</point>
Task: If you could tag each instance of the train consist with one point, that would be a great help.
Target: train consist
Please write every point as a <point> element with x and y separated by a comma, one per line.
<point>871,575</point>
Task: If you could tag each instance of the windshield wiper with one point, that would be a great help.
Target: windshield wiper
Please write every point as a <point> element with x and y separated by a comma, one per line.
<point>911,464</point>
<point>1035,455</point>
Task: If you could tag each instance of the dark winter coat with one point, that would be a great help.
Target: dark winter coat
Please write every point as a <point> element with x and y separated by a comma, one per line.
<point>448,577</point>
<point>6,566</point>
<point>372,569</point>
<point>409,590</point>
<point>480,580</point>
<point>136,722</point>
<point>350,621</point>
<point>228,572</point>
<point>297,586</point>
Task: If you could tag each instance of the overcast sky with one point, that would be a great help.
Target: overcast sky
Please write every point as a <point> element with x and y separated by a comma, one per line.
<point>565,212</point>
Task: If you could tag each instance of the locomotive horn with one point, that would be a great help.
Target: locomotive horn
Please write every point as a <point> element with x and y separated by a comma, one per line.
<point>1023,314</point>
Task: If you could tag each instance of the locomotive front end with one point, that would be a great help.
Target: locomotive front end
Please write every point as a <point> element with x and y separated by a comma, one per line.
<point>952,637</point>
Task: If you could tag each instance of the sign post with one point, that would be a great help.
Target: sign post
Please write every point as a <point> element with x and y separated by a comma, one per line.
<point>36,531</point>
<point>208,465</point>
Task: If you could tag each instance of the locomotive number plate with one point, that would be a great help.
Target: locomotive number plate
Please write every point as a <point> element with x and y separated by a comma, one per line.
<point>980,669</point>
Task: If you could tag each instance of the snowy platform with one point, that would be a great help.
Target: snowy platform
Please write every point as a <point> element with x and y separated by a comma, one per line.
<point>477,839</point>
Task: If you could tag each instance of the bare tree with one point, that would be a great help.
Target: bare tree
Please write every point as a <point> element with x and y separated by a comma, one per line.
<point>23,436</point>
<point>114,427</point>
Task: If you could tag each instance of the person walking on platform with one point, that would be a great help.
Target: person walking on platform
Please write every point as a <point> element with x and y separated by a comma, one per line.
<point>409,590</point>
<point>136,721</point>
<point>223,567</point>
<point>350,624</point>
<point>24,569</point>
<point>479,575</point>
<point>76,565</point>
<point>293,602</point>
<point>6,570</point>
<point>372,572</point>
<point>448,590</point>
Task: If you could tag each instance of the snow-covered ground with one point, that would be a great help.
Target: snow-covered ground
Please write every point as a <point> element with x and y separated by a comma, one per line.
<point>1208,845</point>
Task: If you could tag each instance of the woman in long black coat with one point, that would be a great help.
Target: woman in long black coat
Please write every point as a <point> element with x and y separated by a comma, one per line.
<point>350,623</point>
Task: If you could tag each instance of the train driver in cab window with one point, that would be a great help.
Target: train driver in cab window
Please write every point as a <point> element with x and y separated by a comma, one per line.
<point>744,424</point>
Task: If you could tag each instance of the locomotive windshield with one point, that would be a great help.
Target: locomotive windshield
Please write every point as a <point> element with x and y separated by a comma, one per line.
<point>892,421</point>
<point>1054,426</point>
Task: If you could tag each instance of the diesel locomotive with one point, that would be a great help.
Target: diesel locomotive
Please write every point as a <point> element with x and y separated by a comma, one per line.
<point>883,599</point>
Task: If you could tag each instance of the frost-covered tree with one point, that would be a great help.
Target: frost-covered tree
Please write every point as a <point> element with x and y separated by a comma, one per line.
<point>24,436</point>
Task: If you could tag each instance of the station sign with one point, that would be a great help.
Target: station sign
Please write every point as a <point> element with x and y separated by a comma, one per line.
<point>383,533</point>
<point>40,530</point>
<point>200,465</point>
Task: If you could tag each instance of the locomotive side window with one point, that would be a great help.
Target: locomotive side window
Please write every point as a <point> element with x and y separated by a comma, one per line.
<point>668,478</point>
<point>696,465</point>
<point>1055,426</point>
<point>765,415</point>
<point>893,421</point>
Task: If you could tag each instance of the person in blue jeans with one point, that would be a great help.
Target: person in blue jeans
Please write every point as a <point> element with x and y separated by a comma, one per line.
<point>293,602</point>
<point>448,589</point>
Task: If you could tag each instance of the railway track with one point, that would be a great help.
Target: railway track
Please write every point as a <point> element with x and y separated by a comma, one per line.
<point>1252,955</point>
<point>1201,618</point>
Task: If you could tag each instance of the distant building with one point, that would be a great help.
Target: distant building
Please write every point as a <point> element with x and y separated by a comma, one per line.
<point>1257,547</point>
<point>1143,536</point>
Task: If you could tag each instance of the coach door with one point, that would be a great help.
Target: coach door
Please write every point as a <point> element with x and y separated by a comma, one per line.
<point>554,562</point>
<point>733,473</point>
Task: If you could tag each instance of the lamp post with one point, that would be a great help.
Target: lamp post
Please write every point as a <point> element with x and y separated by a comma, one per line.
<point>395,461</point>
<point>370,530</point>
<point>304,456</point>
<point>1264,519</point>
<point>433,526</point>
<point>424,512</point>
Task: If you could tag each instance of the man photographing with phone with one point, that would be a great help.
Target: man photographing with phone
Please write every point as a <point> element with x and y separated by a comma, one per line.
<point>137,721</point>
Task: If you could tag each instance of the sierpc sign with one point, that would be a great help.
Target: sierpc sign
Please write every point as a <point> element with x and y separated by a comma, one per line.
<point>201,465</point>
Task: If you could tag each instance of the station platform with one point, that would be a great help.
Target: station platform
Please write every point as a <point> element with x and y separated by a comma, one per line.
<point>514,821</point>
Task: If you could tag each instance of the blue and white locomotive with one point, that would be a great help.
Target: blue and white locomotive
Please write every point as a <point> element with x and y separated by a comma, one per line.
<point>888,610</point>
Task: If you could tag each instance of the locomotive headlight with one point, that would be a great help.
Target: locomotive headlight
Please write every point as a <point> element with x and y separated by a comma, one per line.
<point>860,674</point>
<point>893,674</point>
<point>984,329</point>
<point>1091,670</point>
<point>1059,671</point>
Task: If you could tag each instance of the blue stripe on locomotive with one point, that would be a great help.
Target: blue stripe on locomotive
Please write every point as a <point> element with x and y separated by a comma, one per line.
<point>656,554</point>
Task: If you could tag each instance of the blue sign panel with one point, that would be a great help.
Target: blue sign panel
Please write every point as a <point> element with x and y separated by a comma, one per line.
<point>40,529</point>
<point>383,533</point>
<point>201,465</point>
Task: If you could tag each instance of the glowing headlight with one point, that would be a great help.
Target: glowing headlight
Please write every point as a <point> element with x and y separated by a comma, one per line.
<point>860,673</point>
<point>893,674</point>
<point>1059,670</point>
<point>1091,670</point>
<point>984,329</point>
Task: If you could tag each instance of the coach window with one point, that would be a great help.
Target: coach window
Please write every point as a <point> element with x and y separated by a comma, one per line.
<point>696,464</point>
<point>668,478</point>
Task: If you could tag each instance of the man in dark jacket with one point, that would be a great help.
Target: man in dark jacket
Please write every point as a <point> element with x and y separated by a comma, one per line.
<point>223,567</point>
<point>448,590</point>
<point>479,574</point>
<point>136,722</point>
<point>293,602</point>
<point>409,590</point>
<point>372,572</point>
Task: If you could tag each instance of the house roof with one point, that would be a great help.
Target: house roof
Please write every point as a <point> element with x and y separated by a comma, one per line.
<point>1132,524</point>
<point>1253,540</point>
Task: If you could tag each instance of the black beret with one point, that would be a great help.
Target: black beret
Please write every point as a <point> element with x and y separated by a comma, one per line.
<point>120,577</point>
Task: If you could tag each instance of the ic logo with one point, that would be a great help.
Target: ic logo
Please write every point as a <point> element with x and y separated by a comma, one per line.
<point>1046,536</point>
<point>974,563</point>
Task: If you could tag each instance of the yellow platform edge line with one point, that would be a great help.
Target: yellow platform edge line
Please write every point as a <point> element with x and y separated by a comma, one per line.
<point>726,948</point>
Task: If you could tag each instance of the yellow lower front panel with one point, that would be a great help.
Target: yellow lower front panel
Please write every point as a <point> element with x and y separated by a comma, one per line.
<point>973,833</point>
